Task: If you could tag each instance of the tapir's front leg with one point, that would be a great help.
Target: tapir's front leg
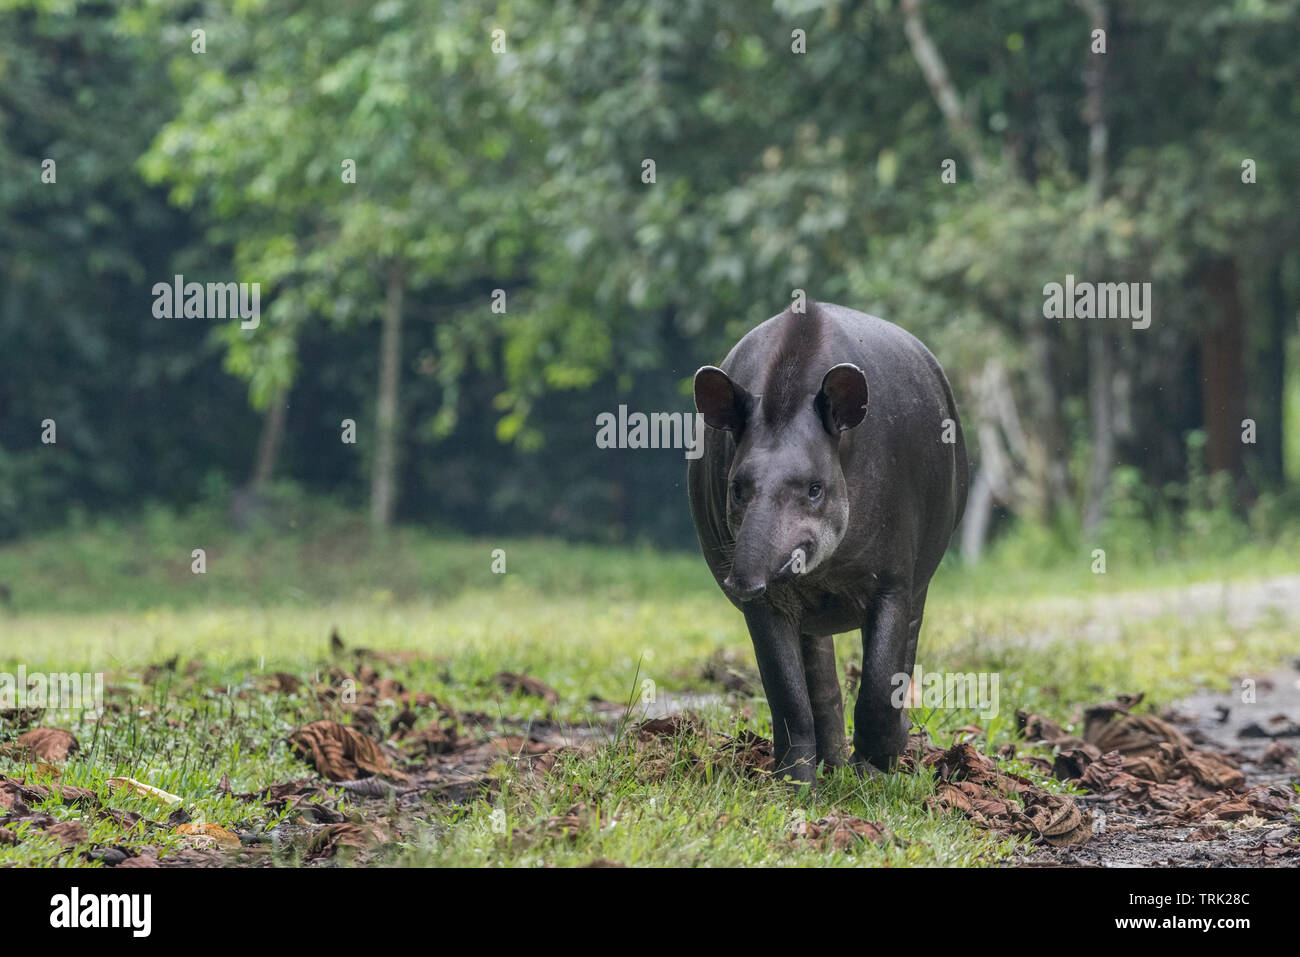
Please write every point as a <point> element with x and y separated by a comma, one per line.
<point>780,665</point>
<point>880,725</point>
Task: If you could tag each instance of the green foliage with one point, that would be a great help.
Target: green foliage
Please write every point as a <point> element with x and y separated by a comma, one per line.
<point>521,169</point>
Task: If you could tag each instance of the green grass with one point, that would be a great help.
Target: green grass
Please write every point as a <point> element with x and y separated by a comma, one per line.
<point>587,621</point>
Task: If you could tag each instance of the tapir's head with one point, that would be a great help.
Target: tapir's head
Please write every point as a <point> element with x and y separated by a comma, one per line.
<point>787,500</point>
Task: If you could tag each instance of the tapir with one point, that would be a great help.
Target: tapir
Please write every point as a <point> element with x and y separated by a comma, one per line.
<point>832,476</point>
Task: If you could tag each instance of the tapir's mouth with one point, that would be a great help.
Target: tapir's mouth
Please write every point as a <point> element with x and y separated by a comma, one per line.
<point>798,562</point>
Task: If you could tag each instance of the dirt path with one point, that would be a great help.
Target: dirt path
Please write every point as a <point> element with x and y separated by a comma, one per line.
<point>1240,603</point>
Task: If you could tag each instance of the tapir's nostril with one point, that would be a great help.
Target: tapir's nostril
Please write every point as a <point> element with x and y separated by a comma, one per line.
<point>742,592</point>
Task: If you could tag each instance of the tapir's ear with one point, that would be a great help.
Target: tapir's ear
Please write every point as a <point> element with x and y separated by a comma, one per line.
<point>724,404</point>
<point>842,401</point>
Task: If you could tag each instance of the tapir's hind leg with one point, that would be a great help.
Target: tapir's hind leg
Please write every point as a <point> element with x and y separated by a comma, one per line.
<point>824,695</point>
<point>914,630</point>
<point>880,721</point>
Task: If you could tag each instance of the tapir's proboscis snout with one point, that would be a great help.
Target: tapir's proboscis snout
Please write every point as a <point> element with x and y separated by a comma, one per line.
<point>745,591</point>
<point>832,476</point>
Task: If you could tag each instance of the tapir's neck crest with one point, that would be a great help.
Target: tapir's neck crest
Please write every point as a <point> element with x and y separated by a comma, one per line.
<point>784,388</point>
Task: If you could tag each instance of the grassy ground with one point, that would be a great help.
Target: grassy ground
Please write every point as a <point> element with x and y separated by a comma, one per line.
<point>590,623</point>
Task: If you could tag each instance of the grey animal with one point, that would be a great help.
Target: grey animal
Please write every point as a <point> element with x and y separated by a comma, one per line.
<point>833,474</point>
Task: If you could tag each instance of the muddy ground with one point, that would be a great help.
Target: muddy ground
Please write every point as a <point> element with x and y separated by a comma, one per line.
<point>1260,738</point>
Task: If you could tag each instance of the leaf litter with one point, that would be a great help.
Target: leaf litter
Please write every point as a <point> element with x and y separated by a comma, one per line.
<point>1131,774</point>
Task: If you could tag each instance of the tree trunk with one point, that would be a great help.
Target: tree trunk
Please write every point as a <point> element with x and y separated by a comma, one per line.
<point>1101,361</point>
<point>1269,398</point>
<point>978,518</point>
<point>268,446</point>
<point>1222,377</point>
<point>383,479</point>
<point>1053,470</point>
<point>1101,408</point>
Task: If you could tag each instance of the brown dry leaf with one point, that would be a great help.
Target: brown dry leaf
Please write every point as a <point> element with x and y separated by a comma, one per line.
<point>513,683</point>
<point>17,791</point>
<point>1232,810</point>
<point>962,762</point>
<point>68,832</point>
<point>1037,728</point>
<point>752,753</point>
<point>839,832</point>
<point>126,820</point>
<point>201,834</point>
<point>19,717</point>
<point>329,839</point>
<point>515,746</point>
<point>1071,763</point>
<point>1208,832</point>
<point>45,744</point>
<point>671,725</point>
<point>1207,768</point>
<point>339,752</point>
<point>276,796</point>
<point>315,811</point>
<point>431,739</point>
<point>1272,800</point>
<point>284,683</point>
<point>1098,716</point>
<point>1147,767</point>
<point>148,857</point>
<point>1279,754</point>
<point>972,784</point>
<point>1056,818</point>
<point>1136,735</point>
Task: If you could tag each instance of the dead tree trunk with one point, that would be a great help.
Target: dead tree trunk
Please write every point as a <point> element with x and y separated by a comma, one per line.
<point>383,479</point>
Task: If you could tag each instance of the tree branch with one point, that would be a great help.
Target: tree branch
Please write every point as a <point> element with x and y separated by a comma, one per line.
<point>936,76</point>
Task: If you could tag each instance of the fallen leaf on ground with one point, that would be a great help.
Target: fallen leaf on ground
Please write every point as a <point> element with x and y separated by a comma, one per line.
<point>513,683</point>
<point>201,834</point>
<point>45,744</point>
<point>339,752</point>
<point>840,833</point>
<point>144,790</point>
<point>670,725</point>
<point>68,832</point>
<point>330,839</point>
<point>1279,754</point>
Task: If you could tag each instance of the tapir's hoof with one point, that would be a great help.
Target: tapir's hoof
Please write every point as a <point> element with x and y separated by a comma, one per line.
<point>865,768</point>
<point>797,775</point>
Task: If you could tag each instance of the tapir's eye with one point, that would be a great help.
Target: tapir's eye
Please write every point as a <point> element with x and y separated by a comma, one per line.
<point>815,491</point>
<point>737,491</point>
